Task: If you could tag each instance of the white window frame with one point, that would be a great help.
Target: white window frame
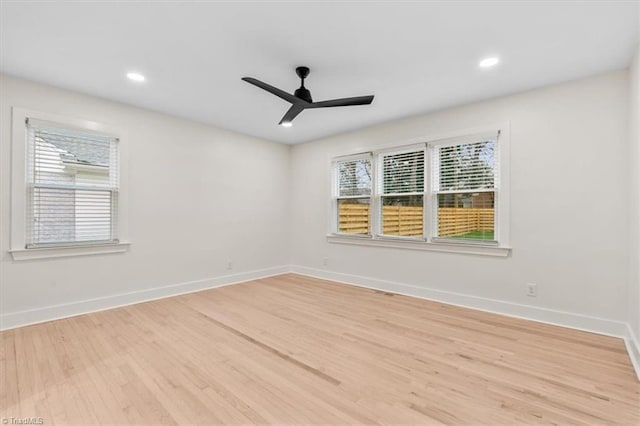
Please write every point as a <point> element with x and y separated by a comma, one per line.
<point>378,189</point>
<point>430,242</point>
<point>335,193</point>
<point>19,198</point>
<point>433,194</point>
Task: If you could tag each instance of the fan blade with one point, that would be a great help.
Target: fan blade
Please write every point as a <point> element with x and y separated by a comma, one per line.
<point>292,113</point>
<point>273,90</point>
<point>358,100</point>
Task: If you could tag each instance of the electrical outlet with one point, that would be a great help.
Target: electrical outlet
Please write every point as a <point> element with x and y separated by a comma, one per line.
<point>325,261</point>
<point>532,290</point>
<point>230,264</point>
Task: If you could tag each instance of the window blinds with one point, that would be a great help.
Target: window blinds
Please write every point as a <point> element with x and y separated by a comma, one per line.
<point>403,173</point>
<point>72,181</point>
<point>465,167</point>
<point>354,177</point>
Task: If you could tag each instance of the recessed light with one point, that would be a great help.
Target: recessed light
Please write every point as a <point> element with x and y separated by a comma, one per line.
<point>489,62</point>
<point>287,124</point>
<point>135,76</point>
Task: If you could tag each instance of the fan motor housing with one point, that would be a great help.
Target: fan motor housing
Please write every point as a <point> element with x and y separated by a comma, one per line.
<point>304,94</point>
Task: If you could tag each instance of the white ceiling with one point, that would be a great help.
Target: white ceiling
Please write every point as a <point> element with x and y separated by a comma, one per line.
<point>415,57</point>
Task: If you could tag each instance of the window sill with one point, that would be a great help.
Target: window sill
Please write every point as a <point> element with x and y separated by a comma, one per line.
<point>441,246</point>
<point>67,251</point>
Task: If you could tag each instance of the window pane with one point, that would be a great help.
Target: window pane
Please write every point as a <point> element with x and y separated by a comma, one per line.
<point>93,215</point>
<point>403,172</point>
<point>354,178</point>
<point>466,166</point>
<point>354,216</point>
<point>53,216</point>
<point>403,215</point>
<point>466,216</point>
<point>61,157</point>
<point>68,215</point>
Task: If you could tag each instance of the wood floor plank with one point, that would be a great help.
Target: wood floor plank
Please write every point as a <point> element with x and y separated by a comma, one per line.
<point>298,350</point>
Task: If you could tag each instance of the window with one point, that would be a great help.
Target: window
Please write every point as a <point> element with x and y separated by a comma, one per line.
<point>442,192</point>
<point>66,193</point>
<point>401,195</point>
<point>464,177</point>
<point>72,186</point>
<point>353,195</point>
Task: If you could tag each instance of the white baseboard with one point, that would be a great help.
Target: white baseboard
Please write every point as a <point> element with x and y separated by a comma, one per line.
<point>548,316</point>
<point>49,313</point>
<point>633,348</point>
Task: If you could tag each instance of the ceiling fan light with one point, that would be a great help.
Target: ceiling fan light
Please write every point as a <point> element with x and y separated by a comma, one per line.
<point>489,62</point>
<point>135,76</point>
<point>287,124</point>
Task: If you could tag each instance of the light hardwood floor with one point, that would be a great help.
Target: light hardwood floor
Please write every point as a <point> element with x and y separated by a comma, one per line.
<point>298,350</point>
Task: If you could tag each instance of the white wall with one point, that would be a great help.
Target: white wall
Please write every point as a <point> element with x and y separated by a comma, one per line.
<point>634,196</point>
<point>198,197</point>
<point>569,206</point>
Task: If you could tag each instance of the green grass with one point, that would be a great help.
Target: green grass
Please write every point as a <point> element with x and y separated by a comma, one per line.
<point>475,235</point>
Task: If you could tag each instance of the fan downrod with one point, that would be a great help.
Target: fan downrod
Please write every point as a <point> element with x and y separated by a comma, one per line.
<point>302,92</point>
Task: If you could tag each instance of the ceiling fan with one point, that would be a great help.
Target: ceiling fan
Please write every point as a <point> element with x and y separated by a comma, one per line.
<point>301,99</point>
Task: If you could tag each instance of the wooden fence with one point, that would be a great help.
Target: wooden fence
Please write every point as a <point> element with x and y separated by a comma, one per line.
<point>402,220</point>
<point>354,218</point>
<point>407,221</point>
<point>457,221</point>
